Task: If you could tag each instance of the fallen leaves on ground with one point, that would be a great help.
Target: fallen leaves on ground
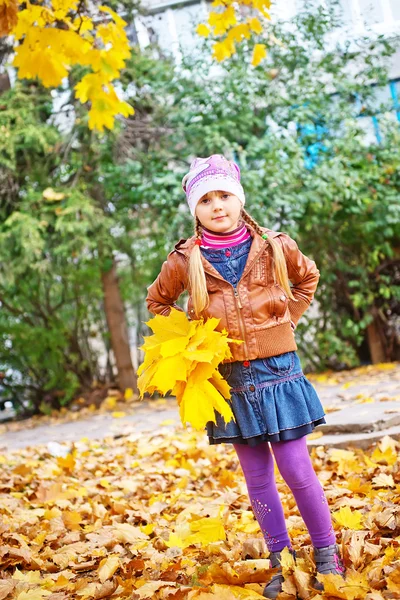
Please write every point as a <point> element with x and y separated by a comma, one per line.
<point>103,401</point>
<point>165,516</point>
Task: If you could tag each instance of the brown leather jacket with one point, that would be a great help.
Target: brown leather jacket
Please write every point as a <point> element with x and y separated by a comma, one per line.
<point>259,312</point>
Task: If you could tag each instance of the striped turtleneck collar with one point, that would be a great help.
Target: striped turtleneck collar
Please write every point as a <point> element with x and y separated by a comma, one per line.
<point>211,239</point>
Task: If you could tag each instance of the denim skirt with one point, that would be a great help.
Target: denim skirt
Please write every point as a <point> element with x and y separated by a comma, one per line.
<point>271,400</point>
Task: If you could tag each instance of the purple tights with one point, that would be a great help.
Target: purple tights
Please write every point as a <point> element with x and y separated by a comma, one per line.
<point>295,466</point>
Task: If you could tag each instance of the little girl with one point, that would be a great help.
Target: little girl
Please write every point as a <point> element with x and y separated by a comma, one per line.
<point>239,272</point>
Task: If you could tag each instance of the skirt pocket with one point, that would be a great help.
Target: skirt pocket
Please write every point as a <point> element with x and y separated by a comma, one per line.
<point>280,365</point>
<point>225,369</point>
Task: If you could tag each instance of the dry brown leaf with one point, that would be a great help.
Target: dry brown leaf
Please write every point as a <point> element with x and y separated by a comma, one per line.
<point>6,587</point>
<point>107,567</point>
<point>148,590</point>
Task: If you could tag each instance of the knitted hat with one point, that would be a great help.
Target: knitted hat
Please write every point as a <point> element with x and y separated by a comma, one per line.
<point>210,175</point>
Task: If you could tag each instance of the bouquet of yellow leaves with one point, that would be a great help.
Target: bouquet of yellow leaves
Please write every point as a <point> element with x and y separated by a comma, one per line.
<point>183,357</point>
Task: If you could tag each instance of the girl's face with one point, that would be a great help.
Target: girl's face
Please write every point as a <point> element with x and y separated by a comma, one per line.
<point>219,211</point>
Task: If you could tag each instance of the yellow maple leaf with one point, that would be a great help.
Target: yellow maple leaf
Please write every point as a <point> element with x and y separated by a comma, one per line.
<point>110,402</point>
<point>356,585</point>
<point>389,456</point>
<point>259,53</point>
<point>198,403</point>
<point>383,480</point>
<point>148,529</point>
<point>348,518</point>
<point>124,532</point>
<point>263,6</point>
<point>315,435</point>
<point>29,577</point>
<point>388,442</point>
<point>365,400</point>
<point>220,22</point>
<point>238,33</point>
<point>201,531</point>
<point>67,463</point>
<point>333,585</point>
<point>117,19</point>
<point>255,25</point>
<point>62,7</point>
<point>165,328</point>
<point>229,592</point>
<point>33,61</point>
<point>128,394</point>
<point>223,50</point>
<point>348,384</point>
<point>118,414</point>
<point>287,561</point>
<point>107,567</point>
<point>35,594</point>
<point>385,366</point>
<point>203,30</point>
<point>72,519</point>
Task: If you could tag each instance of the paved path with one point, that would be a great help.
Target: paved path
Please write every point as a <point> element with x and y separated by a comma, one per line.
<point>142,417</point>
<point>350,420</point>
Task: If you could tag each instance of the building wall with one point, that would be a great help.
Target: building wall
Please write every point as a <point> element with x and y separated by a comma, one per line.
<point>172,22</point>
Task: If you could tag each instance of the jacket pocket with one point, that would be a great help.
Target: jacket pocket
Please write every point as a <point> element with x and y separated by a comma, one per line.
<point>190,309</point>
<point>280,301</point>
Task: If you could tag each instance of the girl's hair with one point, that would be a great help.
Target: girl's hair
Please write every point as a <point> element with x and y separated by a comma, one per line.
<point>197,277</point>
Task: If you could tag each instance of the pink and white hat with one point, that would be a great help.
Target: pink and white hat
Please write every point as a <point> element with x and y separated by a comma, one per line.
<point>210,175</point>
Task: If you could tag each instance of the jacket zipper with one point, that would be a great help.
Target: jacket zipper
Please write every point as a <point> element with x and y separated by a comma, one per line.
<point>239,304</point>
<point>237,298</point>
<point>241,328</point>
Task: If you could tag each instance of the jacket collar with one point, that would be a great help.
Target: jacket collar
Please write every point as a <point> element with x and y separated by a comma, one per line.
<point>258,244</point>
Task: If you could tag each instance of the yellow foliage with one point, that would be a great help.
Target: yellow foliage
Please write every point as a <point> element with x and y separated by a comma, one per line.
<point>72,519</point>
<point>259,53</point>
<point>110,402</point>
<point>201,531</point>
<point>203,30</point>
<point>52,196</point>
<point>52,38</point>
<point>118,414</point>
<point>35,594</point>
<point>182,357</point>
<point>128,394</point>
<point>348,518</point>
<point>255,25</point>
<point>221,22</point>
<point>238,33</point>
<point>222,50</point>
<point>287,561</point>
<point>226,26</point>
<point>66,463</point>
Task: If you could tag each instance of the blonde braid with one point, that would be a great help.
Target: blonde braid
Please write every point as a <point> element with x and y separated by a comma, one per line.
<point>280,268</point>
<point>197,277</point>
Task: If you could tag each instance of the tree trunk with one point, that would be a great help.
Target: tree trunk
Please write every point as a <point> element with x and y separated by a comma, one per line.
<point>118,328</point>
<point>376,341</point>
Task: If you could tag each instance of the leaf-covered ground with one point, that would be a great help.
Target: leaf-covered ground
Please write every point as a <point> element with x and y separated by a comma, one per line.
<point>166,516</point>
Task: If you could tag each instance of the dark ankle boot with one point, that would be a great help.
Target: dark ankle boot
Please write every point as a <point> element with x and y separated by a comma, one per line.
<point>274,587</point>
<point>327,560</point>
